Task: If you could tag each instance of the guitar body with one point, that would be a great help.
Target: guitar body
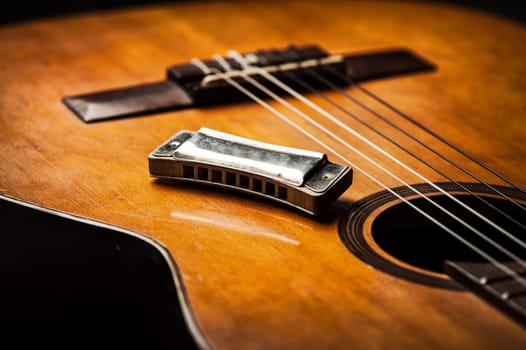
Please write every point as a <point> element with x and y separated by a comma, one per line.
<point>252,274</point>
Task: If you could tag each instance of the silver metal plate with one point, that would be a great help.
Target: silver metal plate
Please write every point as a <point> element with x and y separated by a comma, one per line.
<point>289,165</point>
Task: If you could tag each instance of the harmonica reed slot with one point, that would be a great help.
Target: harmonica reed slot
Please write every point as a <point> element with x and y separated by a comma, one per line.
<point>282,193</point>
<point>257,185</point>
<point>270,189</point>
<point>243,181</point>
<point>188,171</point>
<point>202,174</point>
<point>217,176</point>
<point>230,178</point>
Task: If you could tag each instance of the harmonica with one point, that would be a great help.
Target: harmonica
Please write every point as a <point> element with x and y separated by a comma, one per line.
<point>305,180</point>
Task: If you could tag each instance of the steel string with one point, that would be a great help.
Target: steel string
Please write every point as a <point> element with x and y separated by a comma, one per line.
<point>232,82</point>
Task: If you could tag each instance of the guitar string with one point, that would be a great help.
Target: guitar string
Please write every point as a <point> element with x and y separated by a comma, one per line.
<point>259,86</point>
<point>332,86</point>
<point>241,61</point>
<point>329,116</point>
<point>464,153</point>
<point>352,83</point>
<point>505,269</point>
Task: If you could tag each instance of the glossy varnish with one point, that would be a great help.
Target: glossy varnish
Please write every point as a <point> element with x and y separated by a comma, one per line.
<point>258,275</point>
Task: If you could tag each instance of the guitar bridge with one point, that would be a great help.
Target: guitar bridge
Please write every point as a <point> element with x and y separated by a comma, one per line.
<point>188,86</point>
<point>303,179</point>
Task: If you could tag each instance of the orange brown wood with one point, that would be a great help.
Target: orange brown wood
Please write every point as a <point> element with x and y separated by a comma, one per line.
<point>257,275</point>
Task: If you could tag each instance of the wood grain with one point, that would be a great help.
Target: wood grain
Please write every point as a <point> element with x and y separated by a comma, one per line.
<point>257,275</point>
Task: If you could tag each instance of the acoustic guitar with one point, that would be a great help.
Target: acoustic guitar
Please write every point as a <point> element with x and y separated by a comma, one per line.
<point>418,109</point>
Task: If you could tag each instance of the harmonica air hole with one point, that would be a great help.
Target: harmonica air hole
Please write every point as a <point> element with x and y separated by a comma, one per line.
<point>243,181</point>
<point>270,189</point>
<point>282,193</point>
<point>202,174</point>
<point>188,171</point>
<point>257,185</point>
<point>217,176</point>
<point>230,178</point>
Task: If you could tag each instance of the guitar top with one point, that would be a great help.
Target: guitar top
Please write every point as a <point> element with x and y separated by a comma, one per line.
<point>252,272</point>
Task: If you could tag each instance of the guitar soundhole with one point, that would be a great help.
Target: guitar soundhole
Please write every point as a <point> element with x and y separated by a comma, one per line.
<point>390,235</point>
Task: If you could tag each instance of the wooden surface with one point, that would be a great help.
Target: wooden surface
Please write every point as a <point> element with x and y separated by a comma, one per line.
<point>257,275</point>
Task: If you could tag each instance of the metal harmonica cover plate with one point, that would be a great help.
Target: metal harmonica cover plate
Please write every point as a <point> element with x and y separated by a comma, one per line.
<point>285,164</point>
<point>301,178</point>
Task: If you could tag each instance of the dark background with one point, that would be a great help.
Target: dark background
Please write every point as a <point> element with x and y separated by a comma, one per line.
<point>20,10</point>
